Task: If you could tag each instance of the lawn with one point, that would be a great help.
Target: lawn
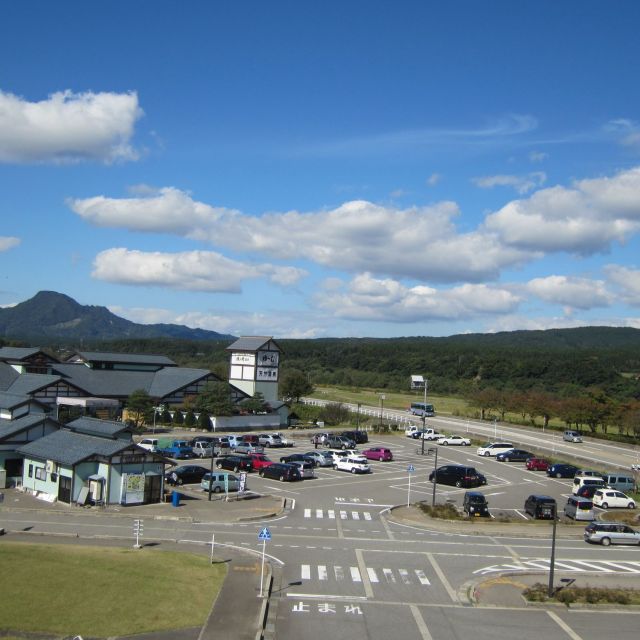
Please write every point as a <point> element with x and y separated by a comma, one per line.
<point>74,590</point>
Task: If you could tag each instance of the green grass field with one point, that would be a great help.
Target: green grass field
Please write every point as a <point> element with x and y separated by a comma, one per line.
<point>71,590</point>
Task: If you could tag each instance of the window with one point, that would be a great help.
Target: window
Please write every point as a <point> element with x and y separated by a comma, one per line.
<point>31,471</point>
<point>41,473</point>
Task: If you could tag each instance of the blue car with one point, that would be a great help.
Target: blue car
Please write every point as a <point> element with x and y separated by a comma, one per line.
<point>561,470</point>
<point>514,455</point>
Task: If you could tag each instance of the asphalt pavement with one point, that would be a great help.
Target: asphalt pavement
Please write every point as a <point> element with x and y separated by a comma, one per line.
<point>241,612</point>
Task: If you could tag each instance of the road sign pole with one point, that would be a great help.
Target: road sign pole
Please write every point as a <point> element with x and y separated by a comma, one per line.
<point>409,491</point>
<point>264,542</point>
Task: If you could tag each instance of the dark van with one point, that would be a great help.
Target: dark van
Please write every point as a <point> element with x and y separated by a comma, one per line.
<point>540,507</point>
<point>475,504</point>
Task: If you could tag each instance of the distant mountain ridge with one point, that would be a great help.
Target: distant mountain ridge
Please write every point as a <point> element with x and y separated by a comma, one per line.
<point>51,315</point>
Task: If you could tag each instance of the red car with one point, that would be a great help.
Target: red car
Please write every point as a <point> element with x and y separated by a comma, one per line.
<point>378,453</point>
<point>259,460</point>
<point>537,464</point>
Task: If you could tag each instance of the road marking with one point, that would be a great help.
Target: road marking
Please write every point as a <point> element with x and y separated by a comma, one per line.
<point>420,574</point>
<point>307,513</point>
<point>436,567</point>
<point>372,575</point>
<point>355,574</point>
<point>339,573</point>
<point>420,623</point>
<point>332,514</point>
<point>355,515</point>
<point>343,515</point>
<point>322,572</point>
<point>367,515</point>
<point>305,573</point>
<point>365,577</point>
<point>388,574</point>
<point>620,566</point>
<point>564,626</point>
<point>319,513</point>
<point>404,576</point>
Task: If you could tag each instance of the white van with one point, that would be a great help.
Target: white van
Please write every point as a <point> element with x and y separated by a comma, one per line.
<point>587,481</point>
<point>150,444</point>
<point>572,436</point>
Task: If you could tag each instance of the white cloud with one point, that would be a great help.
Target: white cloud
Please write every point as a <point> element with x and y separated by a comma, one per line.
<point>572,292</point>
<point>192,270</point>
<point>538,156</point>
<point>522,184</point>
<point>357,236</point>
<point>8,242</point>
<point>434,179</point>
<point>627,280</point>
<point>368,298</point>
<point>583,219</point>
<point>68,127</point>
<point>627,131</point>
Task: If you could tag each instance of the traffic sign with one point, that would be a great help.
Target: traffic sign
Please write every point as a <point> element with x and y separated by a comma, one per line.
<point>411,468</point>
<point>264,534</point>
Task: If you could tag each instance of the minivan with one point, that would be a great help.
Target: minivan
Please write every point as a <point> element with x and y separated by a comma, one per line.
<point>220,482</point>
<point>572,436</point>
<point>540,507</point>
<point>587,481</point>
<point>620,481</point>
<point>579,508</point>
<point>475,504</point>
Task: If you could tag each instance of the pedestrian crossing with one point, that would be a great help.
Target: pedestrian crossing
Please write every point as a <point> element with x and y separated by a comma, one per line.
<point>382,575</point>
<point>337,514</point>
<point>591,566</point>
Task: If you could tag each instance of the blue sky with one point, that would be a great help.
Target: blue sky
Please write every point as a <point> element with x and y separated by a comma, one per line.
<point>295,169</point>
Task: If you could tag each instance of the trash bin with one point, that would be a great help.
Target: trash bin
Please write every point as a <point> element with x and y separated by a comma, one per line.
<point>175,499</point>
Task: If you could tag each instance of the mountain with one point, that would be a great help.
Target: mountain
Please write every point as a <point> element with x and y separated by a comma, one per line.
<point>50,315</point>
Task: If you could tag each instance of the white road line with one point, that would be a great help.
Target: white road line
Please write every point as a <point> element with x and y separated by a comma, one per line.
<point>591,565</point>
<point>564,626</point>
<point>307,513</point>
<point>436,567</point>
<point>338,572</point>
<point>388,574</point>
<point>372,575</point>
<point>305,573</point>
<point>420,623</point>
<point>319,513</point>
<point>367,515</point>
<point>366,583</point>
<point>355,515</point>
<point>404,576</point>
<point>420,574</point>
<point>343,515</point>
<point>332,514</point>
<point>322,572</point>
<point>621,566</point>
<point>355,574</point>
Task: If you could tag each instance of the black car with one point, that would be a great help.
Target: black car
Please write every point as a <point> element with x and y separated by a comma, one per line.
<point>458,475</point>
<point>475,504</point>
<point>416,435</point>
<point>561,470</point>
<point>235,463</point>
<point>359,437</point>
<point>188,474</point>
<point>514,455</point>
<point>298,457</point>
<point>541,507</point>
<point>587,491</point>
<point>281,471</point>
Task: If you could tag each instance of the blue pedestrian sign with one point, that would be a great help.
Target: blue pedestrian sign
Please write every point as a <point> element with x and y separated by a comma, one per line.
<point>411,468</point>
<point>264,534</point>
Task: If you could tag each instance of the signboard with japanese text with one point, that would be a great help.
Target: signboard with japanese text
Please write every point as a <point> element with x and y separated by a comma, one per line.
<point>268,358</point>
<point>267,375</point>
<point>243,358</point>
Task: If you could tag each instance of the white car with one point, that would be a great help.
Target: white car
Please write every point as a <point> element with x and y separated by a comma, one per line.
<point>606,498</point>
<point>430,434</point>
<point>353,464</point>
<point>150,444</point>
<point>494,448</point>
<point>454,440</point>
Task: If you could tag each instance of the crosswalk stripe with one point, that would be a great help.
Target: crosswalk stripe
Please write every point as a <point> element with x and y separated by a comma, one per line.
<point>322,572</point>
<point>590,565</point>
<point>388,574</point>
<point>355,574</point>
<point>421,576</point>
<point>332,514</point>
<point>373,576</point>
<point>307,513</point>
<point>305,574</point>
<point>319,513</point>
<point>343,515</point>
<point>622,566</point>
<point>404,576</point>
<point>367,515</point>
<point>355,515</point>
<point>339,573</point>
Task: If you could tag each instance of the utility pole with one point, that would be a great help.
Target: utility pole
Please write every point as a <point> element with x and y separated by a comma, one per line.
<point>552,564</point>
<point>381,408</point>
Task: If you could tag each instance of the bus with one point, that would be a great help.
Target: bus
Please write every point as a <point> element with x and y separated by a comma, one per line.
<point>422,409</point>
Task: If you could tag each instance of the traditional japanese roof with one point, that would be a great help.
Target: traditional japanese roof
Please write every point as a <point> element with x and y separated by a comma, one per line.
<point>94,427</point>
<point>13,400</point>
<point>69,448</point>
<point>8,376</point>
<point>28,383</point>
<point>9,428</point>
<point>126,358</point>
<point>251,343</point>
<point>21,353</point>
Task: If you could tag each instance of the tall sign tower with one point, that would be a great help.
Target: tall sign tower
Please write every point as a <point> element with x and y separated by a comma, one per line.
<point>254,367</point>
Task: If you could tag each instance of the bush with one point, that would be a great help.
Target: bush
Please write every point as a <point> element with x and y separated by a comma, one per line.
<point>443,511</point>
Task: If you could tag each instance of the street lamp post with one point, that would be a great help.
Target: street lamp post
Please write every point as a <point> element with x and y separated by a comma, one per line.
<point>553,553</point>
<point>358,418</point>
<point>381,408</point>
<point>159,408</point>
<point>435,468</point>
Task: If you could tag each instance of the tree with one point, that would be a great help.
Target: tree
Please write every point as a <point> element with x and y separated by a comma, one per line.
<point>139,404</point>
<point>215,399</point>
<point>294,385</point>
<point>204,422</point>
<point>255,404</point>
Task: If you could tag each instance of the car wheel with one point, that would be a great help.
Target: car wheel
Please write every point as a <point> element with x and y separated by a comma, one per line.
<point>466,444</point>
<point>217,489</point>
<point>219,466</point>
<point>267,445</point>
<point>558,475</point>
<point>261,473</point>
<point>605,505</point>
<point>281,478</point>
<point>605,542</point>
<point>486,454</point>
<point>335,466</point>
<point>631,505</point>
<point>445,443</point>
<point>458,483</point>
<point>507,459</point>
<point>353,470</point>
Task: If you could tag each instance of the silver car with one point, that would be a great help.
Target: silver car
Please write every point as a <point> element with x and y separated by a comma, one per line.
<point>321,458</point>
<point>606,533</point>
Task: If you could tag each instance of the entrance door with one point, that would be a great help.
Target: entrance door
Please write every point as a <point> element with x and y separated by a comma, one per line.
<point>152,489</point>
<point>64,489</point>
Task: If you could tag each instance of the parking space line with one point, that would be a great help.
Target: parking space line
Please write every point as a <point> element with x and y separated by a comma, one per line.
<point>564,626</point>
<point>420,623</point>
